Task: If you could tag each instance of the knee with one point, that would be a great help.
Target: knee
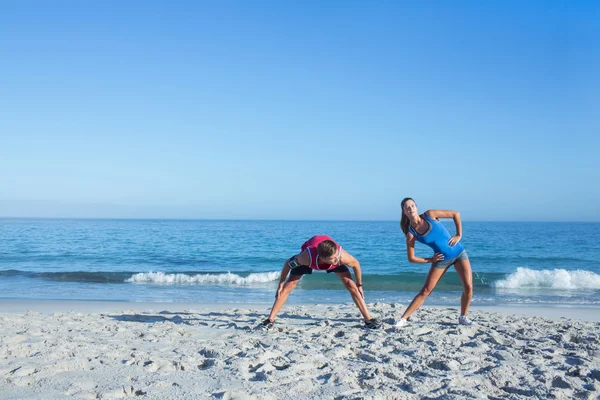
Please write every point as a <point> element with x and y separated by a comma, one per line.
<point>426,291</point>
<point>468,288</point>
<point>350,285</point>
<point>289,286</point>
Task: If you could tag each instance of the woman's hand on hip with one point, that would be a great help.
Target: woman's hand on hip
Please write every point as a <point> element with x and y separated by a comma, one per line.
<point>453,240</point>
<point>437,257</point>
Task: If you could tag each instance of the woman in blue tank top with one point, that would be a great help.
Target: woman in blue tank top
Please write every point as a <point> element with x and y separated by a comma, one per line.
<point>448,251</point>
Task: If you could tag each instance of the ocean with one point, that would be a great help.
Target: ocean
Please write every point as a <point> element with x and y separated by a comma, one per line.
<point>221,261</point>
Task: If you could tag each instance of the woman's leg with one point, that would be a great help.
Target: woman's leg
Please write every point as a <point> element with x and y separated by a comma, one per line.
<point>463,268</point>
<point>287,289</point>
<point>431,281</point>
<point>350,285</point>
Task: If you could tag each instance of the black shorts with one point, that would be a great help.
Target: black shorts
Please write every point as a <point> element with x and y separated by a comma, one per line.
<point>306,270</point>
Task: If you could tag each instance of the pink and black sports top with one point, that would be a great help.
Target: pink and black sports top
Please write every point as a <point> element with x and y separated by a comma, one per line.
<point>311,245</point>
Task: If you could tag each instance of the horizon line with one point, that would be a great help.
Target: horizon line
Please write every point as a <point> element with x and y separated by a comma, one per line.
<point>268,219</point>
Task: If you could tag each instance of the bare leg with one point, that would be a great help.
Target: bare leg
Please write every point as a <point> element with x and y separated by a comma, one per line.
<point>463,268</point>
<point>434,276</point>
<point>287,289</point>
<point>349,284</point>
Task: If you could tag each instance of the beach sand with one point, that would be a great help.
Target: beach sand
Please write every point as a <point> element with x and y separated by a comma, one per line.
<point>95,350</point>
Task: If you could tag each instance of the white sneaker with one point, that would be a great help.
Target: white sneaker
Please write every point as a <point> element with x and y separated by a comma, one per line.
<point>400,323</point>
<point>463,320</point>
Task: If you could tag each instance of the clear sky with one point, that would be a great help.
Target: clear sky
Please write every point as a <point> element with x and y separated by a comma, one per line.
<point>300,109</point>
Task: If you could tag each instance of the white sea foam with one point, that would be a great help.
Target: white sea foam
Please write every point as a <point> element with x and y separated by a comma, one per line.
<point>550,279</point>
<point>228,278</point>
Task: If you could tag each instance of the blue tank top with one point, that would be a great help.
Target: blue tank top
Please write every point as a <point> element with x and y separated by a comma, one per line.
<point>437,237</point>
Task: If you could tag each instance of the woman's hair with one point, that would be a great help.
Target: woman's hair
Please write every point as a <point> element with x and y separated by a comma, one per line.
<point>326,248</point>
<point>404,222</point>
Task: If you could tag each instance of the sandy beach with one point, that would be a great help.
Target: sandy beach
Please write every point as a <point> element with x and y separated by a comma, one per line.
<point>95,350</point>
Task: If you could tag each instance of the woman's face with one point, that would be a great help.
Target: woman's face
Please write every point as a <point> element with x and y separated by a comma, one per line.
<point>410,209</point>
<point>331,260</point>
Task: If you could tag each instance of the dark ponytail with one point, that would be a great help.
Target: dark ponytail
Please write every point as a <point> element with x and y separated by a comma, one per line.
<point>404,222</point>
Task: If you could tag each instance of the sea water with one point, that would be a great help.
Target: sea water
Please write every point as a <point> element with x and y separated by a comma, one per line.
<point>215,261</point>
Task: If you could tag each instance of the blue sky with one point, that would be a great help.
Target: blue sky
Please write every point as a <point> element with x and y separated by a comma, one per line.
<point>299,110</point>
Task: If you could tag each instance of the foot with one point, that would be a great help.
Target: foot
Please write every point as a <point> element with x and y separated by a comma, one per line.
<point>267,325</point>
<point>373,323</point>
<point>400,323</point>
<point>463,320</point>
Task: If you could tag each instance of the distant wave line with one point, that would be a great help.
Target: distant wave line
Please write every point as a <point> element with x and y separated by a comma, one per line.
<point>522,278</point>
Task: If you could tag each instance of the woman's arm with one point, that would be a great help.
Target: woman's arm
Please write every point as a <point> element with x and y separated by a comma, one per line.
<point>410,252</point>
<point>302,259</point>
<point>349,260</point>
<point>284,274</point>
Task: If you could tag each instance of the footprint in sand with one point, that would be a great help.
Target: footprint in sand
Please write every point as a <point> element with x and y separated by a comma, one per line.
<point>231,396</point>
<point>20,371</point>
<point>209,353</point>
<point>208,363</point>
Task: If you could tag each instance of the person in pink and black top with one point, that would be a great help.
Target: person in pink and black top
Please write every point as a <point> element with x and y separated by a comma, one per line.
<point>321,253</point>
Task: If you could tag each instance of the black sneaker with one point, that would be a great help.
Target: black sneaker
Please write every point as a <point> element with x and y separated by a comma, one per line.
<point>267,325</point>
<point>373,323</point>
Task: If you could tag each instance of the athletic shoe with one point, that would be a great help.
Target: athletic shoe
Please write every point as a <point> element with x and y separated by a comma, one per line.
<point>463,320</point>
<point>400,323</point>
<point>373,323</point>
<point>267,325</point>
